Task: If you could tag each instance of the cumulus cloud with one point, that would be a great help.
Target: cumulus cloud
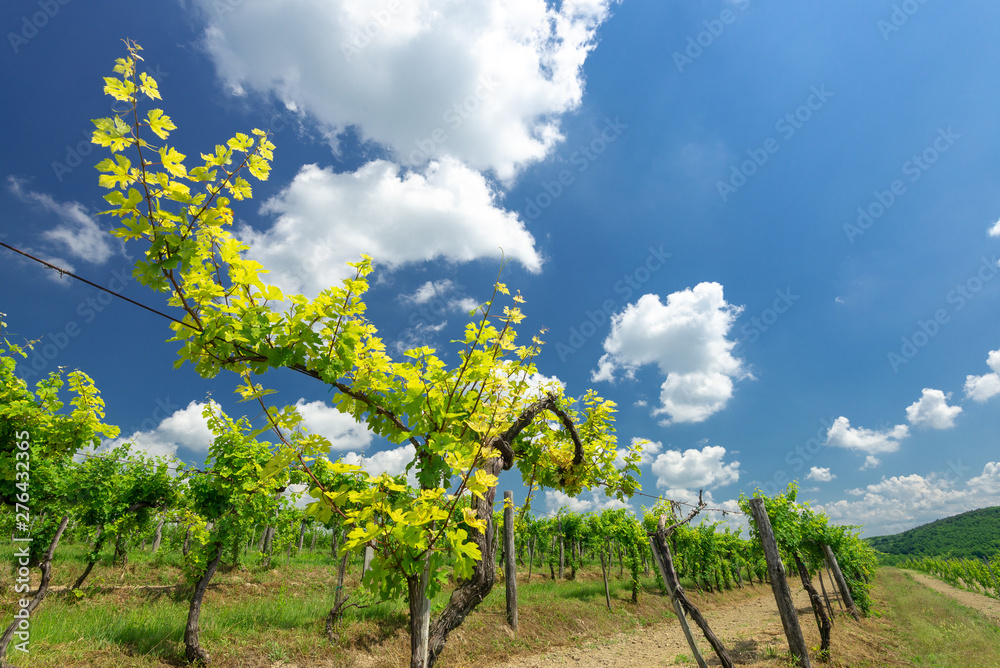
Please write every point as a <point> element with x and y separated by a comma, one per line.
<point>343,432</point>
<point>869,441</point>
<point>988,482</point>
<point>393,462</point>
<point>932,410</point>
<point>686,338</point>
<point>994,231</point>
<point>647,452</point>
<point>871,461</point>
<point>187,428</point>
<point>184,428</point>
<point>77,233</point>
<point>432,302</point>
<point>682,474</point>
<point>444,296</point>
<point>554,500</point>
<point>448,213</point>
<point>981,388</point>
<point>481,81</point>
<point>820,474</point>
<point>898,503</point>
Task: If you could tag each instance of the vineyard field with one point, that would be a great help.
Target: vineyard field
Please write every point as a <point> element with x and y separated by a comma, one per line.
<point>254,617</point>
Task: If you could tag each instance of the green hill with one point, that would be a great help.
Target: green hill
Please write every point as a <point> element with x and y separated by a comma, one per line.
<point>975,534</point>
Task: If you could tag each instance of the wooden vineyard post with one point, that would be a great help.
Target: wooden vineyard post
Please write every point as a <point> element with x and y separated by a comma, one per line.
<point>302,535</point>
<point>664,561</point>
<point>779,585</point>
<point>531,556</point>
<point>561,554</point>
<point>668,581</point>
<point>420,613</point>
<point>822,621</point>
<point>829,607</point>
<point>604,569</point>
<point>833,588</point>
<point>510,559</point>
<point>845,593</point>
<point>158,536</point>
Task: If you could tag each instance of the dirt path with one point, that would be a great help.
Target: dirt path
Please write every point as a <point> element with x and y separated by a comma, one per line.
<point>745,628</point>
<point>984,604</point>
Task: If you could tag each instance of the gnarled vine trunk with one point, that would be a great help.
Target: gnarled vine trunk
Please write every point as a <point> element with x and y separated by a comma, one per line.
<point>92,558</point>
<point>158,536</point>
<point>472,591</point>
<point>192,632</point>
<point>43,587</point>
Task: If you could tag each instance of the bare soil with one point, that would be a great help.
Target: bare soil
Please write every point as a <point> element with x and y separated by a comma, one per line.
<point>746,628</point>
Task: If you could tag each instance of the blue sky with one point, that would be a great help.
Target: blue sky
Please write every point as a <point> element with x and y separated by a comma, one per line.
<point>766,230</point>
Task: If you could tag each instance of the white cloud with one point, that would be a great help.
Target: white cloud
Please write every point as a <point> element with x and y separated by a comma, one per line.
<point>442,293</point>
<point>393,462</point>
<point>448,213</point>
<point>987,483</point>
<point>871,461</point>
<point>185,428</point>
<point>78,233</point>
<point>481,81</point>
<point>433,301</point>
<point>55,276</point>
<point>870,441</point>
<point>686,339</point>
<point>898,503</point>
<point>820,474</point>
<point>343,432</point>
<point>647,453</point>
<point>981,388</point>
<point>682,474</point>
<point>994,231</point>
<point>932,410</point>
<point>554,500</point>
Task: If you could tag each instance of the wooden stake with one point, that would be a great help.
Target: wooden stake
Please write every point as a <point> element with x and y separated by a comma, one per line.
<point>845,593</point>
<point>561,552</point>
<point>510,558</point>
<point>604,570</point>
<point>668,581</point>
<point>819,576</point>
<point>779,585</point>
<point>822,621</point>
<point>531,556</point>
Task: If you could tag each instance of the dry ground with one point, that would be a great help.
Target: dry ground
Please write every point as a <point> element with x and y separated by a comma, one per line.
<point>750,629</point>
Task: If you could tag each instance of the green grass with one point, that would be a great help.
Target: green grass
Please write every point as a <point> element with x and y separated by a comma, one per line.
<point>256,616</point>
<point>934,629</point>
